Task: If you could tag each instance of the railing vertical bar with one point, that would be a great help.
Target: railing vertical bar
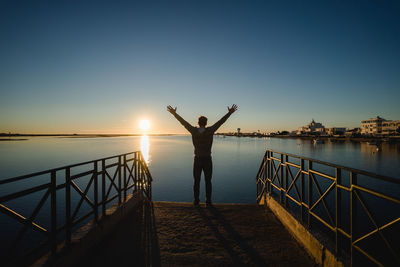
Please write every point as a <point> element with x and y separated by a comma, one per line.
<point>103,188</point>
<point>281,179</point>
<point>302,189</point>
<point>119,181</point>
<point>353,214</point>
<point>309,193</point>
<point>53,205</point>
<point>266,176</point>
<point>286,180</point>
<point>136,171</point>
<point>68,219</point>
<point>270,172</point>
<point>338,209</point>
<point>139,170</point>
<point>125,183</point>
<point>96,191</point>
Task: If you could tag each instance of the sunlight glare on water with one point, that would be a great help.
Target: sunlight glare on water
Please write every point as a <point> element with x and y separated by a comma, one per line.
<point>145,148</point>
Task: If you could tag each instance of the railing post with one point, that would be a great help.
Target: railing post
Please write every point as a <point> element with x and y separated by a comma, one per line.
<point>265,176</point>
<point>309,193</point>
<point>353,213</point>
<point>140,170</point>
<point>269,172</point>
<point>135,163</point>
<point>302,189</point>
<point>103,187</point>
<point>282,186</point>
<point>68,228</point>
<point>338,205</point>
<point>150,187</point>
<point>53,193</point>
<point>119,181</point>
<point>286,180</point>
<point>125,185</point>
<point>96,192</point>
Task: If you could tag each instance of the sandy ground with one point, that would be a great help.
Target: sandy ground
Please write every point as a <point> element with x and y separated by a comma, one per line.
<point>178,234</point>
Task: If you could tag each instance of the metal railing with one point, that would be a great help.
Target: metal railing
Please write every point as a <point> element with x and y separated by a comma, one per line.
<point>356,212</point>
<point>67,197</point>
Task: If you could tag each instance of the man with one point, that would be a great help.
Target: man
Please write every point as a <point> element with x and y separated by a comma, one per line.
<point>202,138</point>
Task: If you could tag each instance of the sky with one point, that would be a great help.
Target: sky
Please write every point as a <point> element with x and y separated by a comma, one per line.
<point>102,66</point>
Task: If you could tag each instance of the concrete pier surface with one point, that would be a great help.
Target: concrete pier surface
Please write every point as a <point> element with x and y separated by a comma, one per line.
<point>179,234</point>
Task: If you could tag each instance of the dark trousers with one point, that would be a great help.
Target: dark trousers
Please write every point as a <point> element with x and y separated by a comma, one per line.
<point>202,164</point>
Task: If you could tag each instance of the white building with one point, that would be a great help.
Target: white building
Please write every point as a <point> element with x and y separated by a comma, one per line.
<point>390,127</point>
<point>379,126</point>
<point>312,127</point>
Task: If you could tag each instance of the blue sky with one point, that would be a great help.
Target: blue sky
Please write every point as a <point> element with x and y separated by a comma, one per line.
<point>101,66</point>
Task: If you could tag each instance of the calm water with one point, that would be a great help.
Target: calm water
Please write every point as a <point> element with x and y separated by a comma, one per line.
<point>236,160</point>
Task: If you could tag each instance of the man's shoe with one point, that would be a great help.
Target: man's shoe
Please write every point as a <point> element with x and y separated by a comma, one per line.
<point>196,203</point>
<point>209,204</point>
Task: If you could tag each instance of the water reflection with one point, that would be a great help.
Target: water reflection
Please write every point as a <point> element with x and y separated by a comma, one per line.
<point>145,148</point>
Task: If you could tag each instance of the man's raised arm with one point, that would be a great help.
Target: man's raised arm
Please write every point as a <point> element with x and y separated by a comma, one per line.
<point>224,118</point>
<point>180,119</point>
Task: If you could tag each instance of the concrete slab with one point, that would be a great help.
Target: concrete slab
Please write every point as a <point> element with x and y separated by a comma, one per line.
<point>179,234</point>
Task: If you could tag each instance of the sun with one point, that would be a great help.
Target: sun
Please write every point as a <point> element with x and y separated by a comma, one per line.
<point>144,125</point>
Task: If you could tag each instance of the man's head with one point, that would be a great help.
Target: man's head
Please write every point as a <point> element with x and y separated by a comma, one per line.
<point>202,121</point>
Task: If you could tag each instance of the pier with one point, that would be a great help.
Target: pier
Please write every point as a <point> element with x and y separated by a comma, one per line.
<point>100,212</point>
<point>178,234</point>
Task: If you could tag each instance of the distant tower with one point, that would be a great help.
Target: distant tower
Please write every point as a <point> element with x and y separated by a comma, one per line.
<point>238,131</point>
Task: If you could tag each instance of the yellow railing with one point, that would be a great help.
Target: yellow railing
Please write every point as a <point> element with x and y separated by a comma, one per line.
<point>357,211</point>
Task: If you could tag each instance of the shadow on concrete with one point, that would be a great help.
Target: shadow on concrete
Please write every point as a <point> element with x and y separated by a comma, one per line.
<point>230,239</point>
<point>133,243</point>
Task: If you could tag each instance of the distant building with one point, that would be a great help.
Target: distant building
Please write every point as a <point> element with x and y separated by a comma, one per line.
<point>353,132</point>
<point>312,127</point>
<point>379,126</point>
<point>390,127</point>
<point>335,130</point>
<point>238,131</point>
<point>372,126</point>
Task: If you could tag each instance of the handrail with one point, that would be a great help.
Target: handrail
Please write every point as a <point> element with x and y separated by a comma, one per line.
<point>362,172</point>
<point>322,205</point>
<point>99,185</point>
<point>13,179</point>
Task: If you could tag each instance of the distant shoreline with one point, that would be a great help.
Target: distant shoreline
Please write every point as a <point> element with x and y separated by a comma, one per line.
<point>73,135</point>
<point>13,139</point>
<point>394,139</point>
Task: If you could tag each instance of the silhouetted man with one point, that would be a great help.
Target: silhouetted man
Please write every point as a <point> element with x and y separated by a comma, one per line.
<point>202,138</point>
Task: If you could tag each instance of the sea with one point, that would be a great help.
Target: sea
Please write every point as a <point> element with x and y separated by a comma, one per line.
<point>236,160</point>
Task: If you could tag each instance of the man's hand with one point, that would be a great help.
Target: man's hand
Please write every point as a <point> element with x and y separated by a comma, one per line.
<point>171,110</point>
<point>232,109</point>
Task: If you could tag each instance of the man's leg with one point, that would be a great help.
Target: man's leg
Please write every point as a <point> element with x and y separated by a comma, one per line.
<point>196,179</point>
<point>207,177</point>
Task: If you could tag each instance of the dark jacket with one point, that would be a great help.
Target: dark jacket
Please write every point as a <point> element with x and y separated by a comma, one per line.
<point>202,140</point>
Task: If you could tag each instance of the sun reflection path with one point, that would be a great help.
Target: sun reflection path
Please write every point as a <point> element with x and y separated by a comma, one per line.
<point>145,148</point>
